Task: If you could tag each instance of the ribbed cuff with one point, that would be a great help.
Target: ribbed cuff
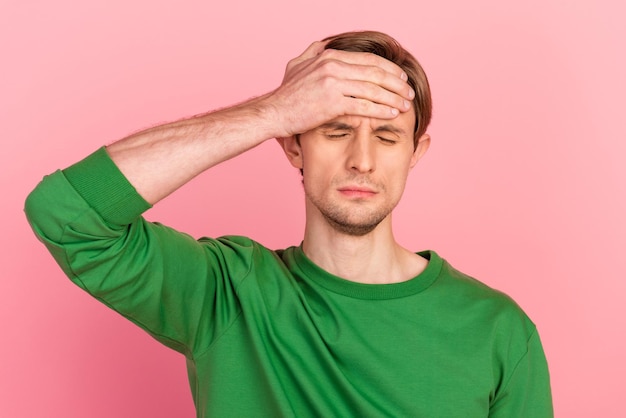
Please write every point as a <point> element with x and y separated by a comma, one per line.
<point>103,186</point>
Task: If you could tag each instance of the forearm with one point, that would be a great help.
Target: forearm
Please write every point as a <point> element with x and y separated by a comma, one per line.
<point>147,272</point>
<point>159,160</point>
<point>318,86</point>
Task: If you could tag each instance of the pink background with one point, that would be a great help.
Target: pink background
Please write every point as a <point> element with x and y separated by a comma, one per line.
<point>523,187</point>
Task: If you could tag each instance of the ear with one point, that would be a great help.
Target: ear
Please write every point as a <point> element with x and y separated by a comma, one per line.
<point>423,143</point>
<point>292,149</point>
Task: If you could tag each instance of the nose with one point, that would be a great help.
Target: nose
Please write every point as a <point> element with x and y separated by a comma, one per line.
<point>361,154</point>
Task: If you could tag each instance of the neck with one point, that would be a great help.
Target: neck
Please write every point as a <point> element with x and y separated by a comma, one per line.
<point>374,258</point>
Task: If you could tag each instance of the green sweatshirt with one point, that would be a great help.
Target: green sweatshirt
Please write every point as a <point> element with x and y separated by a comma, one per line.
<point>270,334</point>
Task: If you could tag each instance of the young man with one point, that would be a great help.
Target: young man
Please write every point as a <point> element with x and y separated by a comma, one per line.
<point>349,323</point>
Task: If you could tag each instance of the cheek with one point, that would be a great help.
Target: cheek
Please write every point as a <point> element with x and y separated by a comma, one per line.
<point>397,174</point>
<point>315,175</point>
<point>397,163</point>
<point>321,161</point>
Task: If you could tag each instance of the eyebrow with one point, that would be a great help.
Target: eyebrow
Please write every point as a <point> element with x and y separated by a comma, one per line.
<point>337,125</point>
<point>390,128</point>
<point>345,127</point>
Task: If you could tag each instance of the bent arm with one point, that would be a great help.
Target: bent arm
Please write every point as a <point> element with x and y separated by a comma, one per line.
<point>527,393</point>
<point>89,215</point>
<point>89,218</point>
<point>159,160</point>
<point>318,86</point>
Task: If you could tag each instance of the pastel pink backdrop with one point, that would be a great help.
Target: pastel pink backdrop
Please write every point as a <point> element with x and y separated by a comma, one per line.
<point>523,187</point>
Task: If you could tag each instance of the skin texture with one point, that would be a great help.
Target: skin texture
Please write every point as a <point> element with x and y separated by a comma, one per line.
<point>353,176</point>
<point>355,170</point>
<point>318,86</point>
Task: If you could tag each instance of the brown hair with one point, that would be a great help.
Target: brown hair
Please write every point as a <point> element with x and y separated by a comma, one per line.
<point>385,46</point>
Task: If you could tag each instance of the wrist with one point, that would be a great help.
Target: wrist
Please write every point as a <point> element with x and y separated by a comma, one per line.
<point>274,120</point>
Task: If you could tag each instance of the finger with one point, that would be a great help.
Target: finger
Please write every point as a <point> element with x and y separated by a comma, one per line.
<point>366,59</point>
<point>369,109</point>
<point>374,93</point>
<point>372,75</point>
<point>312,51</point>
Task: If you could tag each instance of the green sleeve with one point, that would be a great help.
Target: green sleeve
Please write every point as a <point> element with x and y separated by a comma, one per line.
<point>527,392</point>
<point>178,289</point>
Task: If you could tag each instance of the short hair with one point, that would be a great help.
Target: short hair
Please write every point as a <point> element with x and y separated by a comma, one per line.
<point>385,46</point>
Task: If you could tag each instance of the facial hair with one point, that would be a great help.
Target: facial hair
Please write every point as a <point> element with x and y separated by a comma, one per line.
<point>340,217</point>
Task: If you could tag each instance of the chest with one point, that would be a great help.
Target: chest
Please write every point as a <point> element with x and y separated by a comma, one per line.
<point>392,355</point>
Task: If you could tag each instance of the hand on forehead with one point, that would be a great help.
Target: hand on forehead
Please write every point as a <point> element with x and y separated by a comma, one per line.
<point>322,84</point>
<point>356,57</point>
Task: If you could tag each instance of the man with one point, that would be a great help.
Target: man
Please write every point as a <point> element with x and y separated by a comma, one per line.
<point>349,323</point>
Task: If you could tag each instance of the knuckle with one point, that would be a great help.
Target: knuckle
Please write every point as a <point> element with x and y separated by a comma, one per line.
<point>328,82</point>
<point>377,93</point>
<point>365,106</point>
<point>328,53</point>
<point>371,57</point>
<point>329,66</point>
<point>379,73</point>
<point>361,107</point>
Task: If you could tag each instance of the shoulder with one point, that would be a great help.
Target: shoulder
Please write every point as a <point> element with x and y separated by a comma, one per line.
<point>239,248</point>
<point>240,251</point>
<point>240,244</point>
<point>476,298</point>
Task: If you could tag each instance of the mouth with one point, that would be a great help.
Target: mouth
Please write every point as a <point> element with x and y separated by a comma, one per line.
<point>357,192</point>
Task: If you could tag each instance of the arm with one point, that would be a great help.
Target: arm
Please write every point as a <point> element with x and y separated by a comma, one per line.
<point>318,86</point>
<point>527,392</point>
<point>89,215</point>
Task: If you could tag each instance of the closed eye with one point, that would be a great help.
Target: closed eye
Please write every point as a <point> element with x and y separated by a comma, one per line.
<point>336,135</point>
<point>387,140</point>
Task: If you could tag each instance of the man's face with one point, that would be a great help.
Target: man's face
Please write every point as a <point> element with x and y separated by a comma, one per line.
<point>355,169</point>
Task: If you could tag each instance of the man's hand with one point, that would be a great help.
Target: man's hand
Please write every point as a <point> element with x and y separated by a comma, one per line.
<point>319,86</point>
<point>322,84</point>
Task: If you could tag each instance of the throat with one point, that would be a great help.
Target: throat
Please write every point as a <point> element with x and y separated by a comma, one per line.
<point>366,263</point>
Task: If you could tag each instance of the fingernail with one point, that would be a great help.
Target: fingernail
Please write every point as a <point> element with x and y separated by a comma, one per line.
<point>394,112</point>
<point>407,104</point>
<point>411,93</point>
<point>404,76</point>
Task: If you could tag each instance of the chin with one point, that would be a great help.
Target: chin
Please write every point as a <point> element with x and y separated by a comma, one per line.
<point>352,227</point>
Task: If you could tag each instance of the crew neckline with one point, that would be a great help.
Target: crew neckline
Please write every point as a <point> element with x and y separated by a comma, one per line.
<point>358,290</point>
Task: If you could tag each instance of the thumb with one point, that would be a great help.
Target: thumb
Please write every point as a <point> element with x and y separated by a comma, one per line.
<point>312,51</point>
